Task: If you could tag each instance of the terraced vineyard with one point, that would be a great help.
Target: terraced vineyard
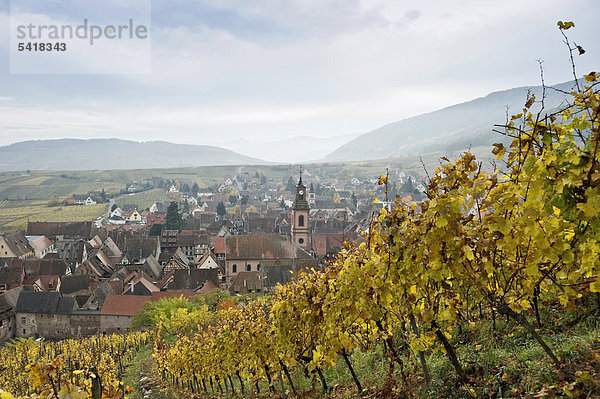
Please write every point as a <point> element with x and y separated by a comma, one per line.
<point>15,217</point>
<point>145,199</point>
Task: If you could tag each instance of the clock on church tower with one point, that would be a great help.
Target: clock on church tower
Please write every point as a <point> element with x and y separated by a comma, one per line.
<point>300,215</point>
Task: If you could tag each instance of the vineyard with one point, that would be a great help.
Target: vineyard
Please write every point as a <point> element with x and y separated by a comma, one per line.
<point>14,216</point>
<point>73,368</point>
<point>518,243</point>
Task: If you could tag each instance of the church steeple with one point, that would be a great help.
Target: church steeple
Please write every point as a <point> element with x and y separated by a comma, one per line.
<point>300,201</point>
<point>300,215</point>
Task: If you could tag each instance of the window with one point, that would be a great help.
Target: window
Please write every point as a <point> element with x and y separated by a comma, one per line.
<point>301,220</point>
<point>24,331</point>
<point>248,267</point>
<point>23,320</point>
<point>234,269</point>
<point>300,240</point>
<point>258,267</point>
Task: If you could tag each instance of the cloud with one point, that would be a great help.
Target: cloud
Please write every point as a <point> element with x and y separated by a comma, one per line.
<point>412,15</point>
<point>271,69</point>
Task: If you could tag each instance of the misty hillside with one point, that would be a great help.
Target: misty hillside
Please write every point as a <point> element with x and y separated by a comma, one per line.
<point>453,128</point>
<point>74,154</point>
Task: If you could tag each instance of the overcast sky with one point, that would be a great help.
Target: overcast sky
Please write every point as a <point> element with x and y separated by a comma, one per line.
<point>274,69</point>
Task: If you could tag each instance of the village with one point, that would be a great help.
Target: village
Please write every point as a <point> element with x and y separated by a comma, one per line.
<point>62,279</point>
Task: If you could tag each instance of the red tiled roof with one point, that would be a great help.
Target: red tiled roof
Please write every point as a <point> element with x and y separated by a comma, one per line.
<point>208,287</point>
<point>219,245</point>
<point>327,243</point>
<point>123,305</point>
<point>117,286</point>
<point>264,246</point>
<point>157,296</point>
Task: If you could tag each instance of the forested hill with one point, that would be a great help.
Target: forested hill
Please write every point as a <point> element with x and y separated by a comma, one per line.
<point>75,154</point>
<point>449,129</point>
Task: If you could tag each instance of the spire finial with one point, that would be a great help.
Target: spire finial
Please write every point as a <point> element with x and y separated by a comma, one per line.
<point>300,182</point>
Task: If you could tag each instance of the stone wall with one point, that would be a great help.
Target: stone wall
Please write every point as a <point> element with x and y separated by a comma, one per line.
<point>7,329</point>
<point>57,326</point>
<point>114,324</point>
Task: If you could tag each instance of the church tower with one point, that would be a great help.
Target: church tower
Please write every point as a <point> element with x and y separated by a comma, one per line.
<point>300,214</point>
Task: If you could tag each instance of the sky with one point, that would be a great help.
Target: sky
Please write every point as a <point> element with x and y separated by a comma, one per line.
<point>228,71</point>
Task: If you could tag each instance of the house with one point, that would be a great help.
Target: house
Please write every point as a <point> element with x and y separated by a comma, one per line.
<point>138,283</point>
<point>73,251</point>
<point>74,285</point>
<point>245,282</point>
<point>42,267</point>
<point>155,218</point>
<point>118,311</point>
<point>261,225</point>
<point>15,245</point>
<point>205,217</point>
<point>41,245</point>
<point>192,245</point>
<point>208,261</point>
<point>246,252</point>
<point>87,199</point>
<point>173,189</point>
<point>96,267</point>
<point>100,292</point>
<point>116,212</point>
<point>177,260</point>
<point>11,277</point>
<point>132,216</point>
<point>153,268</point>
<point>327,245</point>
<point>42,282</point>
<point>168,239</point>
<point>47,315</point>
<point>60,230</point>
<point>116,220</point>
<point>137,249</point>
<point>192,279</point>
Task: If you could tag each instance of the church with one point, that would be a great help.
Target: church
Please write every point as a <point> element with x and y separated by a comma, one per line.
<point>300,217</point>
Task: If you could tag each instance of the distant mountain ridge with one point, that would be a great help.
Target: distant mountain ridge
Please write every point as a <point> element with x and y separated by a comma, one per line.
<point>290,150</point>
<point>456,127</point>
<point>103,154</point>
